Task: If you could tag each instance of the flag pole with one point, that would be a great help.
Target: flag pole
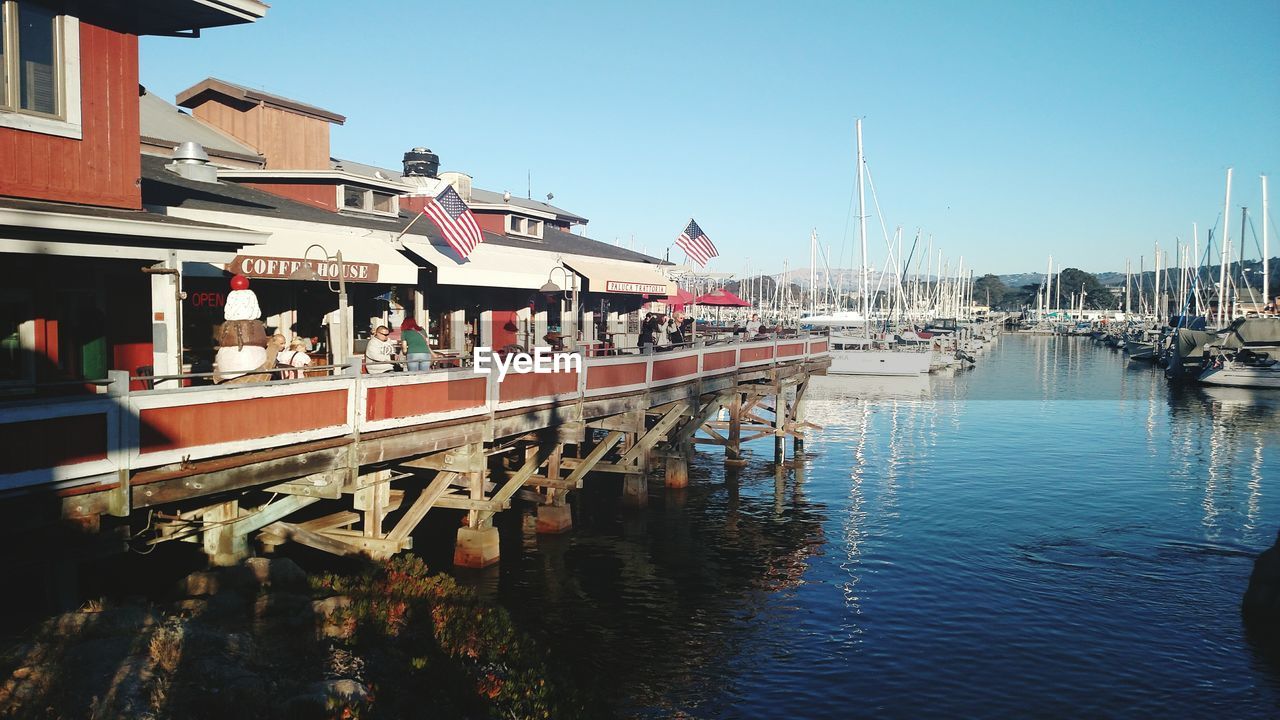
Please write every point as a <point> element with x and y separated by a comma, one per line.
<point>411,222</point>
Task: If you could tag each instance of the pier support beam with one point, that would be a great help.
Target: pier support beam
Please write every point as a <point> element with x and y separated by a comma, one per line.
<point>635,490</point>
<point>678,467</point>
<point>798,424</point>
<point>222,543</point>
<point>733,443</point>
<point>779,422</point>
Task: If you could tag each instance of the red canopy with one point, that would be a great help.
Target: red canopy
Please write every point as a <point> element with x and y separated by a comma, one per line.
<point>680,299</point>
<point>722,298</point>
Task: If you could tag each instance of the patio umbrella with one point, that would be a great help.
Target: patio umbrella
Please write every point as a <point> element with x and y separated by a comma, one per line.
<point>681,299</point>
<point>722,298</point>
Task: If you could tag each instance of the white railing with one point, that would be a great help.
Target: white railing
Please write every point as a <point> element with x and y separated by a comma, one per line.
<point>74,443</point>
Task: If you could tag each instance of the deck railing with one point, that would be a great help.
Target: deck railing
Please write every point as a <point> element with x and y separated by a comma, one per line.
<point>82,443</point>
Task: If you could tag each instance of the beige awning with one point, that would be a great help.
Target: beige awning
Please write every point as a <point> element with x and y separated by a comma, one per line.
<point>488,265</point>
<point>621,276</point>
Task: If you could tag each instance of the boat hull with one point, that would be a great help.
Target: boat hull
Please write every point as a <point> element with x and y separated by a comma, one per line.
<point>891,363</point>
<point>1243,376</point>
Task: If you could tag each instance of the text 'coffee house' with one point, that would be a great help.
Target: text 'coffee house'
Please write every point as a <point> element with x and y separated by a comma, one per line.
<point>278,268</point>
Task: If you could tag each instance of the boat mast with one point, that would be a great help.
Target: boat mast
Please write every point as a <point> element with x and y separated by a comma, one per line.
<point>1226,255</point>
<point>1195,263</point>
<point>1128,274</point>
<point>862,230</point>
<point>1266,251</point>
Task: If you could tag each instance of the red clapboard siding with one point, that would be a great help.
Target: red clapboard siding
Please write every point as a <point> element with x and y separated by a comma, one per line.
<point>525,386</point>
<point>675,367</point>
<point>718,360</point>
<point>409,400</point>
<point>314,194</point>
<point>103,167</point>
<point>49,443</point>
<point>619,375</point>
<point>186,426</point>
<point>759,353</point>
<point>790,350</point>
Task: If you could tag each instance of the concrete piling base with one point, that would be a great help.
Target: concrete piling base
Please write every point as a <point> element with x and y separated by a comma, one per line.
<point>476,548</point>
<point>554,519</point>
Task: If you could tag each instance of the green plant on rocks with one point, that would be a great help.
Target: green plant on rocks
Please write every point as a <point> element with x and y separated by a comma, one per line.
<point>430,643</point>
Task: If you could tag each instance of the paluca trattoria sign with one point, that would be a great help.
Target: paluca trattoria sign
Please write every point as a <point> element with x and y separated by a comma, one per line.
<point>281,268</point>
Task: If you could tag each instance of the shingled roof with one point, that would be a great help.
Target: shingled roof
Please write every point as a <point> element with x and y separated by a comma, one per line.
<point>162,188</point>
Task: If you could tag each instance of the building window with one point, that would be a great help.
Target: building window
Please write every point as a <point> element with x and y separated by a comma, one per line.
<point>353,198</point>
<point>527,227</point>
<point>39,69</point>
<point>369,201</point>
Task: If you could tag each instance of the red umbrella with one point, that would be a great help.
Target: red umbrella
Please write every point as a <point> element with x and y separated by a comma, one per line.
<point>680,299</point>
<point>722,298</point>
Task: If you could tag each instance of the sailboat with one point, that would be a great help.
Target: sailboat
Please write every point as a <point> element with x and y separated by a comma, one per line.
<point>853,350</point>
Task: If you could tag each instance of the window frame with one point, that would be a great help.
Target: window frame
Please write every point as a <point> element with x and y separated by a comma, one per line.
<point>519,225</point>
<point>67,122</point>
<point>367,199</point>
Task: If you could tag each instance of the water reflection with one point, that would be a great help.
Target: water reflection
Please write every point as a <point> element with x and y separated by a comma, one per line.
<point>960,545</point>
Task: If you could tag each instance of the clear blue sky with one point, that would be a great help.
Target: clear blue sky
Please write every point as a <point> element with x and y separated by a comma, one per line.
<point>1008,130</point>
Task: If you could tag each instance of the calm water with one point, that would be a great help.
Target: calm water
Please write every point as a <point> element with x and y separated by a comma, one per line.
<point>1053,533</point>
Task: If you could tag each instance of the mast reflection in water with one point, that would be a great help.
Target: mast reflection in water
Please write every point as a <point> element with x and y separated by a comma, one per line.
<point>1055,529</point>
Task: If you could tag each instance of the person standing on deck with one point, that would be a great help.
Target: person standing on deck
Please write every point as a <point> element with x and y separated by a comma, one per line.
<point>416,346</point>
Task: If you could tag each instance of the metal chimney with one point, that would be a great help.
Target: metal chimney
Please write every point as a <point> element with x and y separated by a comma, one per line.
<point>421,162</point>
<point>191,162</point>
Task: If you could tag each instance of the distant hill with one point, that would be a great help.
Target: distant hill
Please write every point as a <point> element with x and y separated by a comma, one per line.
<point>849,278</point>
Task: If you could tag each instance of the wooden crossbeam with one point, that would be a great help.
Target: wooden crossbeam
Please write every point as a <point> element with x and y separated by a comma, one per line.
<point>311,538</point>
<point>599,467</point>
<point>270,513</point>
<point>598,452</point>
<point>708,429</point>
<point>535,459</point>
<point>328,522</point>
<point>458,501</point>
<point>418,510</point>
<point>656,433</point>
<point>711,408</point>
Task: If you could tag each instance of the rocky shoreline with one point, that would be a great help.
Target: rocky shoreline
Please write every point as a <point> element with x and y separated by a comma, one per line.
<point>264,640</point>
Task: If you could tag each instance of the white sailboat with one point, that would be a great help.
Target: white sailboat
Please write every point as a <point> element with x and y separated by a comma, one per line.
<point>853,350</point>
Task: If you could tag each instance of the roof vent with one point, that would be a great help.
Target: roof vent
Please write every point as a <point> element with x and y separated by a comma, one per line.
<point>421,162</point>
<point>191,162</point>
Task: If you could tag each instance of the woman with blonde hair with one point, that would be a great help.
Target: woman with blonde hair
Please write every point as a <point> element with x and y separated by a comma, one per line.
<point>295,356</point>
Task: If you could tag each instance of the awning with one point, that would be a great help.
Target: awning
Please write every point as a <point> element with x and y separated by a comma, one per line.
<point>488,265</point>
<point>621,276</point>
<point>364,260</point>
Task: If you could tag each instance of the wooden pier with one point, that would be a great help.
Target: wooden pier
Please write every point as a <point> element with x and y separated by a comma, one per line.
<point>351,464</point>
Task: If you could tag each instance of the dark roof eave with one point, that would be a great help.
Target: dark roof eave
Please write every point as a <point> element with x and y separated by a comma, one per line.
<point>214,152</point>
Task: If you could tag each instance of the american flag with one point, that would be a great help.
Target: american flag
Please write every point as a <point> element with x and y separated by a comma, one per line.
<point>696,244</point>
<point>455,220</point>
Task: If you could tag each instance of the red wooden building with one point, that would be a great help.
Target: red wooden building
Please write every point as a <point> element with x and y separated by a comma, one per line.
<point>73,233</point>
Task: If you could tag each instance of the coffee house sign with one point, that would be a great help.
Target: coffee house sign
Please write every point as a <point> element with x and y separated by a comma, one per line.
<point>280,268</point>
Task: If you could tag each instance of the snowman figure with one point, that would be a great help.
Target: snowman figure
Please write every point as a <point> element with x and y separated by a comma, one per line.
<point>242,338</point>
